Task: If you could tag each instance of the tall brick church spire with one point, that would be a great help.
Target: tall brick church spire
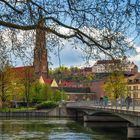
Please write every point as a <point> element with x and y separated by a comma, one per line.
<point>40,53</point>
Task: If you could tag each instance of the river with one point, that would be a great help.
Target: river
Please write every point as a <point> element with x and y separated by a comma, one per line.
<point>56,129</point>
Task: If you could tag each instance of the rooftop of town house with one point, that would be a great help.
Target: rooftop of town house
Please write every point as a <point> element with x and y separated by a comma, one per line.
<point>136,76</point>
<point>23,71</point>
<point>46,80</point>
<point>67,82</point>
<point>22,68</point>
<point>135,79</point>
<point>87,69</point>
<point>108,61</point>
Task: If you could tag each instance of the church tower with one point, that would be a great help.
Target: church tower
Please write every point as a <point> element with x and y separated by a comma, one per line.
<point>40,53</point>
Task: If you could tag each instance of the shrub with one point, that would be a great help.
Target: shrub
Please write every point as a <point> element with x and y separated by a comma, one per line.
<point>46,105</point>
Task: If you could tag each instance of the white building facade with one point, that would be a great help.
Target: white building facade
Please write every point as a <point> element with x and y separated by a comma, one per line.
<point>107,66</point>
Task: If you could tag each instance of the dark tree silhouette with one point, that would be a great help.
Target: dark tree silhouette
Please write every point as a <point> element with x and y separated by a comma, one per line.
<point>103,25</point>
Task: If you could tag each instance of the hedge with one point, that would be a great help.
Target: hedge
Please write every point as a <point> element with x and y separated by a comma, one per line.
<point>46,105</point>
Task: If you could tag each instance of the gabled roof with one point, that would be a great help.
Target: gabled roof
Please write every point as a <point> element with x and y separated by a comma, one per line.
<point>46,80</point>
<point>51,82</point>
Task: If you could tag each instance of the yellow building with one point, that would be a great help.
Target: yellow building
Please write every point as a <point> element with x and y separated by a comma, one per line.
<point>134,86</point>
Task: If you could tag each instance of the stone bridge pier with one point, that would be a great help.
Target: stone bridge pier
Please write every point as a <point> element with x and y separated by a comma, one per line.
<point>133,132</point>
<point>110,120</point>
<point>133,128</point>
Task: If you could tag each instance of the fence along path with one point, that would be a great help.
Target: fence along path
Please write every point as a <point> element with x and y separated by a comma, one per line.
<point>115,105</point>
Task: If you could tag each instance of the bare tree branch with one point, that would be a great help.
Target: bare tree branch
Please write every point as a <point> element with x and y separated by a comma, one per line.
<point>79,17</point>
<point>10,6</point>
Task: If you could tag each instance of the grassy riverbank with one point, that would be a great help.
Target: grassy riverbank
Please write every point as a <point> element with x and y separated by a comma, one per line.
<point>16,109</point>
<point>43,105</point>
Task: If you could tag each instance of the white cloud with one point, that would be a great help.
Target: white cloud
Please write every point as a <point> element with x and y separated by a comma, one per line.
<point>136,58</point>
<point>138,49</point>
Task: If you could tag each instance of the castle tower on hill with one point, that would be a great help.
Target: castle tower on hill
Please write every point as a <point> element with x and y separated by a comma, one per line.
<point>40,53</point>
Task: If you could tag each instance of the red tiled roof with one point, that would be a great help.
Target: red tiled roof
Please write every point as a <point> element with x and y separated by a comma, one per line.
<point>67,83</point>
<point>48,81</point>
<point>20,72</point>
<point>22,68</point>
<point>108,61</point>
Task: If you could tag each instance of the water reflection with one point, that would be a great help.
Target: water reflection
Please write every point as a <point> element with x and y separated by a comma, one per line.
<point>54,129</point>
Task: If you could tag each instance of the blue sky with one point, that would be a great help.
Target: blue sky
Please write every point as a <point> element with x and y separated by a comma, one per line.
<point>71,57</point>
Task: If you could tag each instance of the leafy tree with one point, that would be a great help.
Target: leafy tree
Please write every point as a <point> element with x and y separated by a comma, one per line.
<point>59,95</point>
<point>22,82</point>
<point>16,90</point>
<point>36,95</point>
<point>5,74</point>
<point>47,91</point>
<point>43,92</point>
<point>5,84</point>
<point>90,77</point>
<point>115,85</point>
<point>60,73</point>
<point>72,73</point>
<point>50,94</point>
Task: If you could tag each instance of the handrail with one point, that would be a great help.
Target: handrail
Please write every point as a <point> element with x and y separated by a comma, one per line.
<point>111,104</point>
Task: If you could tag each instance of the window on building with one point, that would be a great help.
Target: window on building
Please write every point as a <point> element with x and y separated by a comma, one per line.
<point>135,95</point>
<point>136,80</point>
<point>135,87</point>
<point>129,87</point>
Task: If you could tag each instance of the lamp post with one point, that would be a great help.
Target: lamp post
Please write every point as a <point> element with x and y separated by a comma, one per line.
<point>60,72</point>
<point>14,95</point>
<point>60,83</point>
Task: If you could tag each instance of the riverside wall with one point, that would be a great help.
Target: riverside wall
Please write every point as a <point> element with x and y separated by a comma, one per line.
<point>55,112</point>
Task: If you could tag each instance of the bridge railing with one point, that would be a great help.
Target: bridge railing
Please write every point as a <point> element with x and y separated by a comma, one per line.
<point>112,104</point>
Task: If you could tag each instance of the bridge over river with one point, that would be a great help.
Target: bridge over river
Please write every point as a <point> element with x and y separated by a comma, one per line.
<point>92,108</point>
